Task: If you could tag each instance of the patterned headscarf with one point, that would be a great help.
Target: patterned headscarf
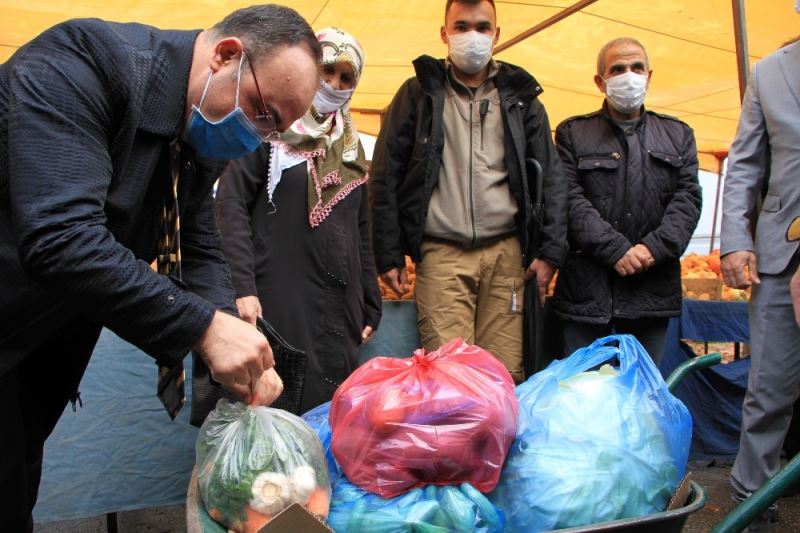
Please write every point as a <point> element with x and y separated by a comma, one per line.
<point>329,142</point>
<point>341,47</point>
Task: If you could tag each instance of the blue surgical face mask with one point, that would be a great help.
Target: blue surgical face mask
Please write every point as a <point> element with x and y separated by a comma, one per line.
<point>231,137</point>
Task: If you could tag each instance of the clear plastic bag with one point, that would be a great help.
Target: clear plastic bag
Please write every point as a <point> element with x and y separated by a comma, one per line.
<point>253,462</point>
<point>594,446</point>
<point>443,417</point>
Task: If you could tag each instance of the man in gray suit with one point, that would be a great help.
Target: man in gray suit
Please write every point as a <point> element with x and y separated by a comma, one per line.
<point>764,163</point>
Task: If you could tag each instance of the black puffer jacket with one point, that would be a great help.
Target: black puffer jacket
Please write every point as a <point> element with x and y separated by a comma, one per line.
<point>618,199</point>
<point>408,154</point>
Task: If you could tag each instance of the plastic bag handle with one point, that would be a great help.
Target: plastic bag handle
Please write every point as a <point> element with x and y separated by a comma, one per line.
<point>629,352</point>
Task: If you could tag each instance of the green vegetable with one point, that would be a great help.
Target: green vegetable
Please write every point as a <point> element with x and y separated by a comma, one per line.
<point>238,443</point>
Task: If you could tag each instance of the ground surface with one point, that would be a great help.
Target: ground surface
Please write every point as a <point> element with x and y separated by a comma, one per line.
<point>713,478</point>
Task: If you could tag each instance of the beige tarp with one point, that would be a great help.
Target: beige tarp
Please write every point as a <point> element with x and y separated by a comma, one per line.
<point>690,44</point>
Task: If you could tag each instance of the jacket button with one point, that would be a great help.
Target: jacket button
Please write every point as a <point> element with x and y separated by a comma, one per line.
<point>171,299</point>
<point>520,104</point>
<point>628,215</point>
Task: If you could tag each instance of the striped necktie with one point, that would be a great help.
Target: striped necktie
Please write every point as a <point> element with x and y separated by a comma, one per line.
<point>171,378</point>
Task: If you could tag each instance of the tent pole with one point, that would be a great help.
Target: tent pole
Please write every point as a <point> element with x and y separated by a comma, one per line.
<point>742,53</point>
<point>720,160</point>
<point>564,13</point>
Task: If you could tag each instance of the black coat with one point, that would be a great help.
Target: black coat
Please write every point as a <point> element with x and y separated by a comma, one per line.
<point>618,199</point>
<point>87,112</point>
<point>317,286</point>
<point>408,154</point>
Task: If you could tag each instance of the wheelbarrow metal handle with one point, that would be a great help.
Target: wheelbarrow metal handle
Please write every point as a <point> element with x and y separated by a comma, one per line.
<point>694,363</point>
<point>761,499</point>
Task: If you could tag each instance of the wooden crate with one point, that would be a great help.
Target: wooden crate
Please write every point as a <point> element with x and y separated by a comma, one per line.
<point>698,288</point>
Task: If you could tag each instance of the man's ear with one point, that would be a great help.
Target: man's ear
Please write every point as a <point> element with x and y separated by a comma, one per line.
<point>225,50</point>
<point>443,34</point>
<point>496,36</point>
<point>598,80</point>
<point>649,77</point>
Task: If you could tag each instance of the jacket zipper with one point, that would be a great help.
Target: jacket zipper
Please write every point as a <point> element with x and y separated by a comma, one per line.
<point>471,199</point>
<point>482,110</point>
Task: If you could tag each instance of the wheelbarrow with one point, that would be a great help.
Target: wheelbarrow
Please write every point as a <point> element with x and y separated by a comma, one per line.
<point>669,521</point>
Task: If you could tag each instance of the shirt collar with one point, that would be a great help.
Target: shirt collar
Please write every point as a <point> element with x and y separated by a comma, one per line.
<point>458,85</point>
<point>164,100</point>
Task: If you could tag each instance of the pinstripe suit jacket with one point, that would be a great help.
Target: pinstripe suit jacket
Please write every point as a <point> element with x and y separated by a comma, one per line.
<point>765,156</point>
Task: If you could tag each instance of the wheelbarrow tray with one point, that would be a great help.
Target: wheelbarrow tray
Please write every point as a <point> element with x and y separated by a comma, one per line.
<point>663,522</point>
<point>198,520</point>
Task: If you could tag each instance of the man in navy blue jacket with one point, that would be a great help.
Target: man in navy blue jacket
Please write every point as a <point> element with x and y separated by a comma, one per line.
<point>95,117</point>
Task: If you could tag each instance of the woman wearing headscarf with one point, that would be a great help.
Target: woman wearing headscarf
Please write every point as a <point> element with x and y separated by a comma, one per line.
<point>293,217</point>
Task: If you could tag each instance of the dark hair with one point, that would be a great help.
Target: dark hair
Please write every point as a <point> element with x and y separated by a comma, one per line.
<point>467,2</point>
<point>263,28</point>
<point>601,55</point>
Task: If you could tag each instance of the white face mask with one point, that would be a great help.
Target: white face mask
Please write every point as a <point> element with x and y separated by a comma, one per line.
<point>797,6</point>
<point>328,99</point>
<point>626,92</point>
<point>470,51</point>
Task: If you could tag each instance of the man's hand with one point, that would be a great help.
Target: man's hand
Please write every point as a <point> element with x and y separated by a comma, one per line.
<point>265,391</point>
<point>629,263</point>
<point>645,256</point>
<point>733,269</point>
<point>366,334</point>
<point>794,288</point>
<point>236,353</point>
<point>397,280</point>
<point>249,308</point>
<point>544,273</point>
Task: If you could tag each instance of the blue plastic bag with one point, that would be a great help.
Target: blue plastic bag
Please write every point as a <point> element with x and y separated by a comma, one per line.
<point>594,447</point>
<point>431,509</point>
<point>317,418</point>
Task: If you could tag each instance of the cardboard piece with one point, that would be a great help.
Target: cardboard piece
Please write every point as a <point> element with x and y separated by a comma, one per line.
<point>295,519</point>
<point>681,495</point>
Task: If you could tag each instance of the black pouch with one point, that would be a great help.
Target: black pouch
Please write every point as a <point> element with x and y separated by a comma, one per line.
<point>290,365</point>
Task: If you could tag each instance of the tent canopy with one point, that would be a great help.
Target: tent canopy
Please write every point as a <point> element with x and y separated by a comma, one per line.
<point>690,44</point>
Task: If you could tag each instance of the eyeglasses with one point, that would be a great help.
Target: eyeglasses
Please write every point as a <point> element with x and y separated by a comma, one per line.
<point>264,120</point>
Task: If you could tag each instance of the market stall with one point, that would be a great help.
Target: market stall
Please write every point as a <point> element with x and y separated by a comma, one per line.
<point>714,395</point>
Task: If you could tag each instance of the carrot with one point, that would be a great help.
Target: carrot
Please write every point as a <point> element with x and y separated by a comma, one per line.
<point>216,514</point>
<point>319,502</point>
<point>255,520</point>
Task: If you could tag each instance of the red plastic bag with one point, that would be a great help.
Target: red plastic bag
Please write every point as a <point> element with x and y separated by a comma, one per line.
<point>444,417</point>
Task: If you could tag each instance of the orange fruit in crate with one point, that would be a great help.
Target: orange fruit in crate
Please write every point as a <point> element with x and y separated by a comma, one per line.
<point>713,263</point>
